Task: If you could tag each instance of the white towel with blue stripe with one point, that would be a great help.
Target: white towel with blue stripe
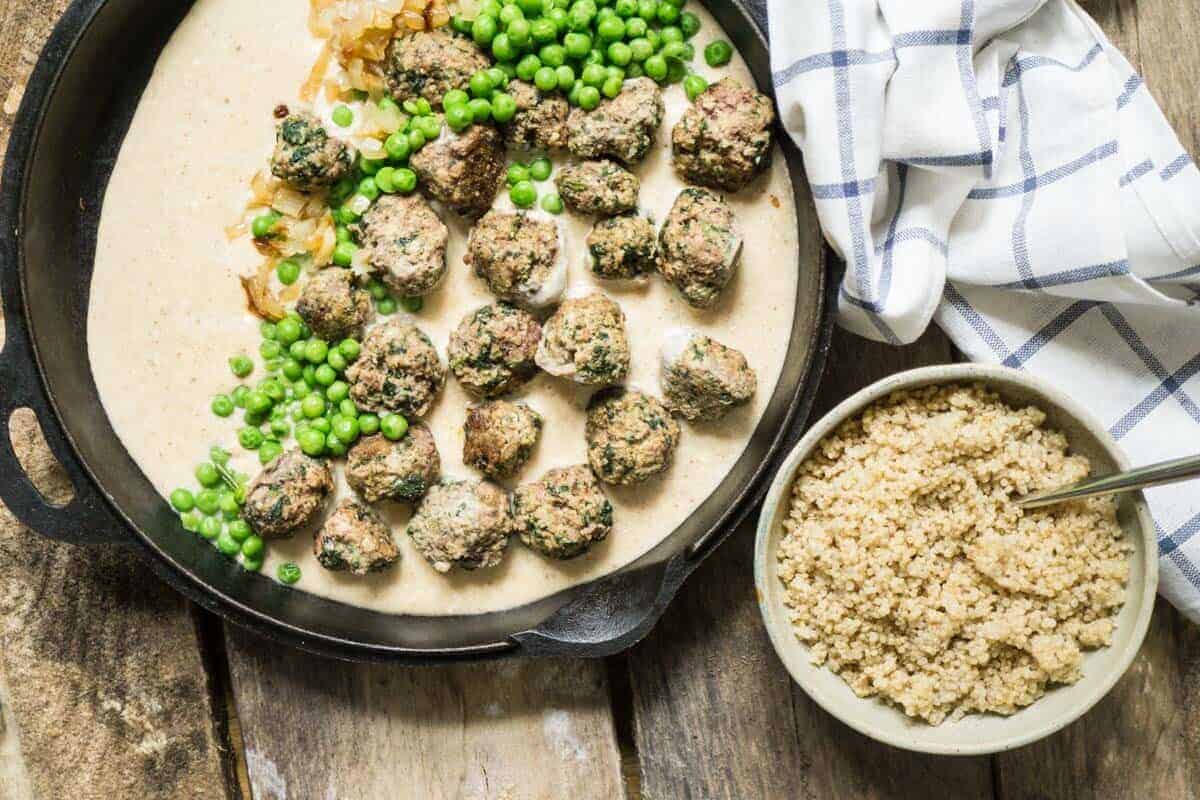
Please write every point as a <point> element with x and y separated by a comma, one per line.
<point>998,167</point>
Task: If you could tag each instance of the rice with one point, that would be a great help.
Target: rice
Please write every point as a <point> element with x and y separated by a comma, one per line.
<point>909,571</point>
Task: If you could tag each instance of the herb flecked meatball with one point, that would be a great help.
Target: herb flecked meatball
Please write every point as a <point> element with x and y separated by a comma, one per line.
<point>519,256</point>
<point>287,493</point>
<point>430,63</point>
<point>464,171</point>
<point>354,539</point>
<point>603,188</point>
<point>564,513</point>
<point>332,305</point>
<point>622,128</point>
<point>397,370</point>
<point>541,119</point>
<point>462,524</point>
<point>699,246</point>
<point>381,469</point>
<point>585,340</point>
<point>306,156</point>
<point>405,242</point>
<point>724,139</point>
<point>702,378</point>
<point>499,437</point>
<point>492,350</point>
<point>623,247</point>
<point>631,437</point>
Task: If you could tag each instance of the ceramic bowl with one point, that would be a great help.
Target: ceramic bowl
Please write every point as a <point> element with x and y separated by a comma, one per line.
<point>977,733</point>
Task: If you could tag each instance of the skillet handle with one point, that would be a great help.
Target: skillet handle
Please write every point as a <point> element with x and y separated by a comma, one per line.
<point>87,519</point>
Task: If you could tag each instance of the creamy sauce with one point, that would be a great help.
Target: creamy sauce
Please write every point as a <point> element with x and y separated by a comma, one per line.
<point>167,311</point>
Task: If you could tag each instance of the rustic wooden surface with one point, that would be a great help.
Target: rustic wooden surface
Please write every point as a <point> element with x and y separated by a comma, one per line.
<point>112,687</point>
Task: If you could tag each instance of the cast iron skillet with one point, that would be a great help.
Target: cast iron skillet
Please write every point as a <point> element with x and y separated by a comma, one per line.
<point>74,115</point>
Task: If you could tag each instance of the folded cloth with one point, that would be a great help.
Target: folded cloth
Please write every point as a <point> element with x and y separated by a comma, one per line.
<point>998,166</point>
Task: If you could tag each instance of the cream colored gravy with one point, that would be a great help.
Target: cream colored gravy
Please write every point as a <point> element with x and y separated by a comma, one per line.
<point>167,311</point>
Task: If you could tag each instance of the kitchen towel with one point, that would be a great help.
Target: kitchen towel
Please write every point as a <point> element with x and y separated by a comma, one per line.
<point>998,167</point>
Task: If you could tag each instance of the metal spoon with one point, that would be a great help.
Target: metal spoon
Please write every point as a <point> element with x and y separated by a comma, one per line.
<point>1179,469</point>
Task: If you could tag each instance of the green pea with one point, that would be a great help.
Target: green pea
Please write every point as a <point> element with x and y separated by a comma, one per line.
<point>396,146</point>
<point>190,521</point>
<point>238,395</point>
<point>315,351</point>
<point>589,98</point>
<point>239,529</point>
<point>565,77</point>
<point>573,93</point>
<point>612,87</point>
<point>670,34</point>
<point>349,348</point>
<point>540,168</point>
<point>250,438</point>
<point>269,451</point>
<point>386,306</point>
<point>647,10</point>
<point>405,180</point>
<point>517,173</point>
<point>611,29</point>
<point>210,528</point>
<point>502,47</point>
<point>626,8</point>
<point>656,67</point>
<point>620,53</point>
<point>531,8</point>
<point>263,225</point>
<point>674,50</point>
<point>519,32</point>
<point>481,109</point>
<point>523,194</point>
<point>676,70</point>
<point>227,502</point>
<point>227,544</point>
<point>689,23</point>
<point>280,427</point>
<point>336,360</point>
<point>347,408</point>
<point>288,573</point>
<point>424,107</point>
<point>340,191</point>
<point>269,348</point>
<point>718,53</point>
<point>594,75</point>
<point>654,38</point>
<point>578,45</point>
<point>343,253</point>
<point>543,30</point>
<point>241,365</point>
<point>695,86</point>
<point>288,271</point>
<point>337,391</point>
<point>326,375</point>
<point>416,140</point>
<point>287,330</point>
<point>207,474</point>
<point>459,117</point>
<point>251,564</point>
<point>208,501</point>
<point>343,117</point>
<point>460,24</point>
<point>334,446</point>
<point>393,426</point>
<point>481,84</point>
<point>222,406</point>
<point>383,180</point>
<point>504,107</point>
<point>346,429</point>
<point>558,15</point>
<point>313,406</point>
<point>668,14</point>
<point>634,70</point>
<point>311,441</point>
<point>252,545</point>
<point>182,500</point>
<point>266,330</point>
<point>370,166</point>
<point>553,55</point>
<point>498,77</point>
<point>552,204</point>
<point>455,97</point>
<point>368,424</point>
<point>510,12</point>
<point>258,403</point>
<point>546,79</point>
<point>640,49</point>
<point>483,29</point>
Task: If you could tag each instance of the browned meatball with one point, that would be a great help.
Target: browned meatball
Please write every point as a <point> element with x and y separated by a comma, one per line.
<point>724,139</point>
<point>287,493</point>
<point>492,350</point>
<point>430,63</point>
<point>630,436</point>
<point>354,539</point>
<point>332,305</point>
<point>603,188</point>
<point>499,437</point>
<point>306,156</point>
<point>564,513</point>
<point>699,246</point>
<point>462,524</point>
<point>702,378</point>
<point>519,256</point>
<point>397,370</point>
<point>585,341</point>
<point>462,170</point>
<point>623,248</point>
<point>622,128</point>
<point>380,469</point>
<point>405,242</point>
<point>541,119</point>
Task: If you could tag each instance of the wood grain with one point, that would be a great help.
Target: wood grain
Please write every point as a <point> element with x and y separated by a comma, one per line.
<point>503,731</point>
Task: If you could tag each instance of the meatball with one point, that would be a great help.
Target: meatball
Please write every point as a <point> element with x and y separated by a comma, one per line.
<point>563,514</point>
<point>405,242</point>
<point>630,436</point>
<point>603,188</point>
<point>585,341</point>
<point>430,63</point>
<point>286,494</point>
<point>724,138</point>
<point>462,524</point>
<point>332,305</point>
<point>519,256</point>
<point>702,378</point>
<point>306,156</point>
<point>397,370</point>
<point>541,119</point>
<point>623,247</point>
<point>499,437</point>
<point>492,350</point>
<point>622,128</point>
<point>380,469</point>
<point>354,539</point>
<point>462,170</point>
<point>699,246</point>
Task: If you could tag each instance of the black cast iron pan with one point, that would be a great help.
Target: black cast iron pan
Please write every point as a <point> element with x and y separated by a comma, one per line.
<point>76,110</point>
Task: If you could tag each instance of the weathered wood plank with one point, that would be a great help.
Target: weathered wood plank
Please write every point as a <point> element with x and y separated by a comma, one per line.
<point>1139,742</point>
<point>517,731</point>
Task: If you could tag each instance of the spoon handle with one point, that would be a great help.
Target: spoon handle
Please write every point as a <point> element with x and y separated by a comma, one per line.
<point>1179,469</point>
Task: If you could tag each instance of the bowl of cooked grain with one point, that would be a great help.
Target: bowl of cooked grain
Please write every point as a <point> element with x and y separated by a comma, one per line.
<point>910,597</point>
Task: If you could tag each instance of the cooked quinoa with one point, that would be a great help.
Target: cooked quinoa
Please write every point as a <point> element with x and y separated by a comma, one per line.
<point>909,571</point>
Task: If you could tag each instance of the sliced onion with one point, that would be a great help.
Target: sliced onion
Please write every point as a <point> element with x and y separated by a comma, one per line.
<point>258,293</point>
<point>290,202</point>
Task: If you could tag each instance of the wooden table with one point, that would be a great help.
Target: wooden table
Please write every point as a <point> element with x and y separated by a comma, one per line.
<point>111,686</point>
